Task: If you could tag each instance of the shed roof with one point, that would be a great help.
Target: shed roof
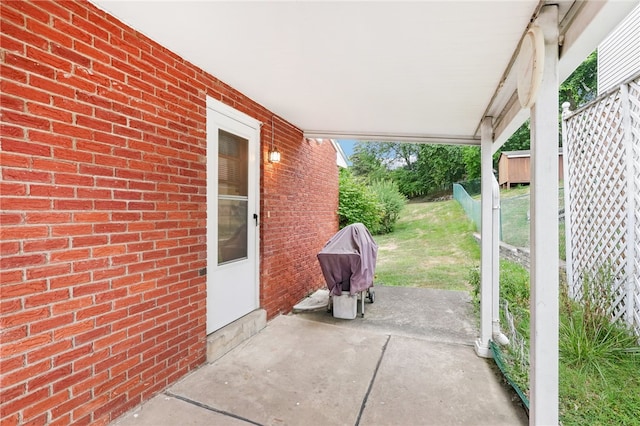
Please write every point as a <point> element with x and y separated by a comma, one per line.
<point>521,153</point>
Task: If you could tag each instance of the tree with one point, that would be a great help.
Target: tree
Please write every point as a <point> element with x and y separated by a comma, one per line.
<point>367,162</point>
<point>434,169</point>
<point>578,89</point>
<point>471,157</point>
<point>581,86</point>
<point>439,166</point>
<point>519,140</point>
<point>416,169</point>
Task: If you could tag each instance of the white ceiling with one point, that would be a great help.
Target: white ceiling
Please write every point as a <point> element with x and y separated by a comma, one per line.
<point>371,70</point>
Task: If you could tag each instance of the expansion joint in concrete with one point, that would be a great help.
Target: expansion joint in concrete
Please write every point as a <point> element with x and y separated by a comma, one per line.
<point>208,407</point>
<point>373,379</point>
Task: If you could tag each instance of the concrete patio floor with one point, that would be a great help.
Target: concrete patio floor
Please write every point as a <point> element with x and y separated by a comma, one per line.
<point>409,361</point>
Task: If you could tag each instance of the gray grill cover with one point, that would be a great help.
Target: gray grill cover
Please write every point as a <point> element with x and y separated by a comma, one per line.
<point>348,260</point>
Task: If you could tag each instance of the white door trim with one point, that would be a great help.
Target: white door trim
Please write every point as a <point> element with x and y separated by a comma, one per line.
<point>233,113</point>
<point>212,164</point>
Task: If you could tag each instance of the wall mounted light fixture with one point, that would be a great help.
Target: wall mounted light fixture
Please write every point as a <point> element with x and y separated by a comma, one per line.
<point>274,154</point>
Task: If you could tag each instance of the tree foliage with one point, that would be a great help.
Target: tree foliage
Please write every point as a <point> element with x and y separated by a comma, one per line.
<point>581,86</point>
<point>376,205</point>
<point>416,169</point>
<point>519,140</point>
<point>367,163</point>
<point>439,166</point>
<point>357,203</point>
<point>471,156</point>
<point>392,202</point>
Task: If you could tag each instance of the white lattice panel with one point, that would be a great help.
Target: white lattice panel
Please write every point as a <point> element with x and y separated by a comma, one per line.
<point>634,290</point>
<point>603,158</point>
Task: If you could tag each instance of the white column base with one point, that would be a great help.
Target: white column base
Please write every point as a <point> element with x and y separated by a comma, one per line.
<point>482,349</point>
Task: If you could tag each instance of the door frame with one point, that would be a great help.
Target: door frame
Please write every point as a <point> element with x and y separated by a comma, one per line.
<point>215,106</point>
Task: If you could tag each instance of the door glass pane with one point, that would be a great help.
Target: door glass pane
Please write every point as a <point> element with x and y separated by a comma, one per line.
<point>232,230</point>
<point>232,164</point>
<point>233,189</point>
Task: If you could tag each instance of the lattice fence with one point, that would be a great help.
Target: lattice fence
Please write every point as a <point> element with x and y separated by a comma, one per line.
<point>602,197</point>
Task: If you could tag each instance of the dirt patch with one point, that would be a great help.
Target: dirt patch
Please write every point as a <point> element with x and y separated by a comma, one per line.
<point>388,247</point>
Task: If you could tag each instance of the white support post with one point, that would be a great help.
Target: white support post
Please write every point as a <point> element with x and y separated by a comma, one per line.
<point>496,332</point>
<point>486,168</point>
<point>544,301</point>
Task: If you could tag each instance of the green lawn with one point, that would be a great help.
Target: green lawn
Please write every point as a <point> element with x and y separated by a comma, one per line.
<point>431,246</point>
<point>514,206</point>
<point>515,219</point>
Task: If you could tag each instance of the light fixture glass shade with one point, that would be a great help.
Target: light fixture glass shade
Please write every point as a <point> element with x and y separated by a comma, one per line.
<point>274,156</point>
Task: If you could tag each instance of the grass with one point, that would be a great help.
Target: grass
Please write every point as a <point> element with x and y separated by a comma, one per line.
<point>599,367</point>
<point>591,399</point>
<point>432,246</point>
<point>515,218</point>
<point>599,360</point>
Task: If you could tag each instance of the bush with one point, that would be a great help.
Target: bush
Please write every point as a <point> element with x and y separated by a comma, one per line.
<point>474,283</point>
<point>599,358</point>
<point>358,203</point>
<point>514,318</point>
<point>514,287</point>
<point>392,202</point>
<point>590,340</point>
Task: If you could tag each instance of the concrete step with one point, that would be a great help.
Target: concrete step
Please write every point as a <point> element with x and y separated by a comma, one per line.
<point>228,337</point>
<point>318,301</point>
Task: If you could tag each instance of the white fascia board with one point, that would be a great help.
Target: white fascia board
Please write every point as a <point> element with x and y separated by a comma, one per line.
<point>584,27</point>
<point>341,157</point>
<point>393,137</point>
<point>587,29</point>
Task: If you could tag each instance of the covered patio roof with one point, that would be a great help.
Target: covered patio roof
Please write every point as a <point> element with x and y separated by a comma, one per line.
<point>403,71</point>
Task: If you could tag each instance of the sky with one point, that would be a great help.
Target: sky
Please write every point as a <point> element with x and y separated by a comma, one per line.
<point>347,146</point>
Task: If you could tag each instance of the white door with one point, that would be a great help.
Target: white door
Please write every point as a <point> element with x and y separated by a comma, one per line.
<point>232,215</point>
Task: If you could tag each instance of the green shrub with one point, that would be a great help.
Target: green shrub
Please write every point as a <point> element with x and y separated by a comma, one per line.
<point>514,318</point>
<point>358,203</point>
<point>599,358</point>
<point>590,340</point>
<point>514,287</point>
<point>474,283</point>
<point>514,291</point>
<point>392,202</point>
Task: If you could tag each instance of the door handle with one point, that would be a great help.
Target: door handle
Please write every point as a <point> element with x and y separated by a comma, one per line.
<point>255,216</point>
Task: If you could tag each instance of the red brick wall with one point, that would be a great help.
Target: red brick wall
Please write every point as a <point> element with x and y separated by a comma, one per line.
<point>298,206</point>
<point>103,213</point>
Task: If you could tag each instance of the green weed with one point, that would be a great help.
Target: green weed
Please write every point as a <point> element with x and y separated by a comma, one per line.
<point>590,341</point>
<point>599,359</point>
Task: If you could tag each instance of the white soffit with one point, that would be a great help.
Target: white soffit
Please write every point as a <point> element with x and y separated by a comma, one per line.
<point>369,70</point>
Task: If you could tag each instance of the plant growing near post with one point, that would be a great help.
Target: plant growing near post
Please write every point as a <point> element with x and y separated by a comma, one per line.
<point>589,338</point>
